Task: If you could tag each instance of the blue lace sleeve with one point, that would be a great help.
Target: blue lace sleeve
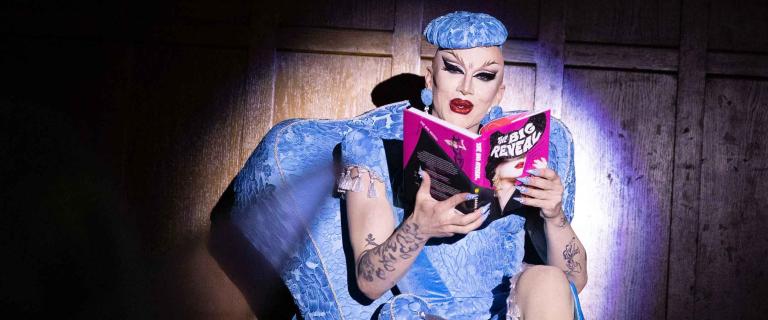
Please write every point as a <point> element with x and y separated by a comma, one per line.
<point>362,154</point>
<point>561,160</point>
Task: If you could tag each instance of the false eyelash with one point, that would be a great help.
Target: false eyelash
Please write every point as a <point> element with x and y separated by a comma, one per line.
<point>486,76</point>
<point>447,66</point>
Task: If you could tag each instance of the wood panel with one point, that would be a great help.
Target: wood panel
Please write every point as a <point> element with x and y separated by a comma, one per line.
<point>519,51</point>
<point>641,22</point>
<point>260,77</point>
<point>310,85</point>
<point>335,41</point>
<point>406,38</point>
<point>621,57</point>
<point>738,64</point>
<point>684,223</point>
<point>733,249</point>
<point>549,57</point>
<point>520,81</point>
<point>521,17</point>
<point>738,25</point>
<point>623,126</point>
<point>352,14</point>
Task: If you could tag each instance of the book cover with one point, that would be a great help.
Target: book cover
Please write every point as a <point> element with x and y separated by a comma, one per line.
<point>458,160</point>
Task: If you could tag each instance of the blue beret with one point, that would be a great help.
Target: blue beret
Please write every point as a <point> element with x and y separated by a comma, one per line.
<point>464,30</point>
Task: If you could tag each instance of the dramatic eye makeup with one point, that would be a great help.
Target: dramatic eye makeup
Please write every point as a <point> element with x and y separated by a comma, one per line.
<point>451,67</point>
<point>454,68</point>
<point>486,76</point>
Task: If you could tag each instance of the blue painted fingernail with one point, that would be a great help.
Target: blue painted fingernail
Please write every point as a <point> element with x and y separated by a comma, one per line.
<point>471,196</point>
<point>524,180</point>
<point>518,199</point>
<point>534,172</point>
<point>522,189</point>
<point>421,173</point>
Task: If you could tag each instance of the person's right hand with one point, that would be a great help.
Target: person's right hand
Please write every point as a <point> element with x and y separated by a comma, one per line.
<point>441,218</point>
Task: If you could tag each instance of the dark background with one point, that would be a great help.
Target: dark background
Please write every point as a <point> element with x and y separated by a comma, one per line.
<point>123,122</point>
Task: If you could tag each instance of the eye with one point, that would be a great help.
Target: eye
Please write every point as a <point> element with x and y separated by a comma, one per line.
<point>451,68</point>
<point>486,76</point>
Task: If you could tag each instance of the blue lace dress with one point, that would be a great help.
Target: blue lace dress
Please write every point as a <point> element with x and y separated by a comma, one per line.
<point>464,279</point>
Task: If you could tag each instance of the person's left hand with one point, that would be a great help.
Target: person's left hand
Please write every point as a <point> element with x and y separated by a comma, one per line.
<point>542,189</point>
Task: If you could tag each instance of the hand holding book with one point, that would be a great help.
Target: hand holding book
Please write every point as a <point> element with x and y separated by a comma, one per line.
<point>543,189</point>
<point>435,219</point>
<point>485,163</point>
<point>506,175</point>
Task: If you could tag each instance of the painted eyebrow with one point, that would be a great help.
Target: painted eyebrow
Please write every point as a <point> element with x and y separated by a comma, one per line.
<point>487,63</point>
<point>456,56</point>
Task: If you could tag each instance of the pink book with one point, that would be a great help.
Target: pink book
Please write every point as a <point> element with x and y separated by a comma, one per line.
<point>459,161</point>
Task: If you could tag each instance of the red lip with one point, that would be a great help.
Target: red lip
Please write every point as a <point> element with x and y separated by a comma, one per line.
<point>461,106</point>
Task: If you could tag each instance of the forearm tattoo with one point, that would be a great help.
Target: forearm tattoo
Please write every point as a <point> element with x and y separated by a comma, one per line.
<point>569,254</point>
<point>370,241</point>
<point>380,260</point>
<point>563,222</point>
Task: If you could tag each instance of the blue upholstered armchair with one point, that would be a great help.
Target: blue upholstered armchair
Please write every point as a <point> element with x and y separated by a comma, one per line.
<point>284,215</point>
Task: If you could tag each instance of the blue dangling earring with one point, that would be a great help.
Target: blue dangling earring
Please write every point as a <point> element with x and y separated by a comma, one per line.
<point>426,99</point>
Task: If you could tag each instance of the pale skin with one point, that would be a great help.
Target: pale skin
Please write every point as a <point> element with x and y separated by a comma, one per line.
<point>384,252</point>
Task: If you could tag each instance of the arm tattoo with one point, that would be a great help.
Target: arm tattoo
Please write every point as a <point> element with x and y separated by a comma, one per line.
<point>569,254</point>
<point>371,241</point>
<point>408,240</point>
<point>563,222</point>
<point>380,260</point>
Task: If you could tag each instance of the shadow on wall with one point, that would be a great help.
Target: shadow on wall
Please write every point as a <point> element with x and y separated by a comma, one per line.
<point>248,268</point>
<point>404,86</point>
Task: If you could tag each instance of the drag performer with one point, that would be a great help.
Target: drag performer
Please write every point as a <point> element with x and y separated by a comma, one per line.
<point>464,266</point>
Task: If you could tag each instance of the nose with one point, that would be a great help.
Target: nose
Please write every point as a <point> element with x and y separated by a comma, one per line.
<point>466,85</point>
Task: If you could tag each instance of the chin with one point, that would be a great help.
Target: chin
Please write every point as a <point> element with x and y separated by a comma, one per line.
<point>463,121</point>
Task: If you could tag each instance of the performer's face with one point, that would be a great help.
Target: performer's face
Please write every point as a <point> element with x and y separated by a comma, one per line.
<point>465,83</point>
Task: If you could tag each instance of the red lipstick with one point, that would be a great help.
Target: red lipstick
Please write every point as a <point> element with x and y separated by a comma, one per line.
<point>461,106</point>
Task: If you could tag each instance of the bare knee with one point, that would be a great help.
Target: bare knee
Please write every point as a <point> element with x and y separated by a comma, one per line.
<point>543,276</point>
<point>543,292</point>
